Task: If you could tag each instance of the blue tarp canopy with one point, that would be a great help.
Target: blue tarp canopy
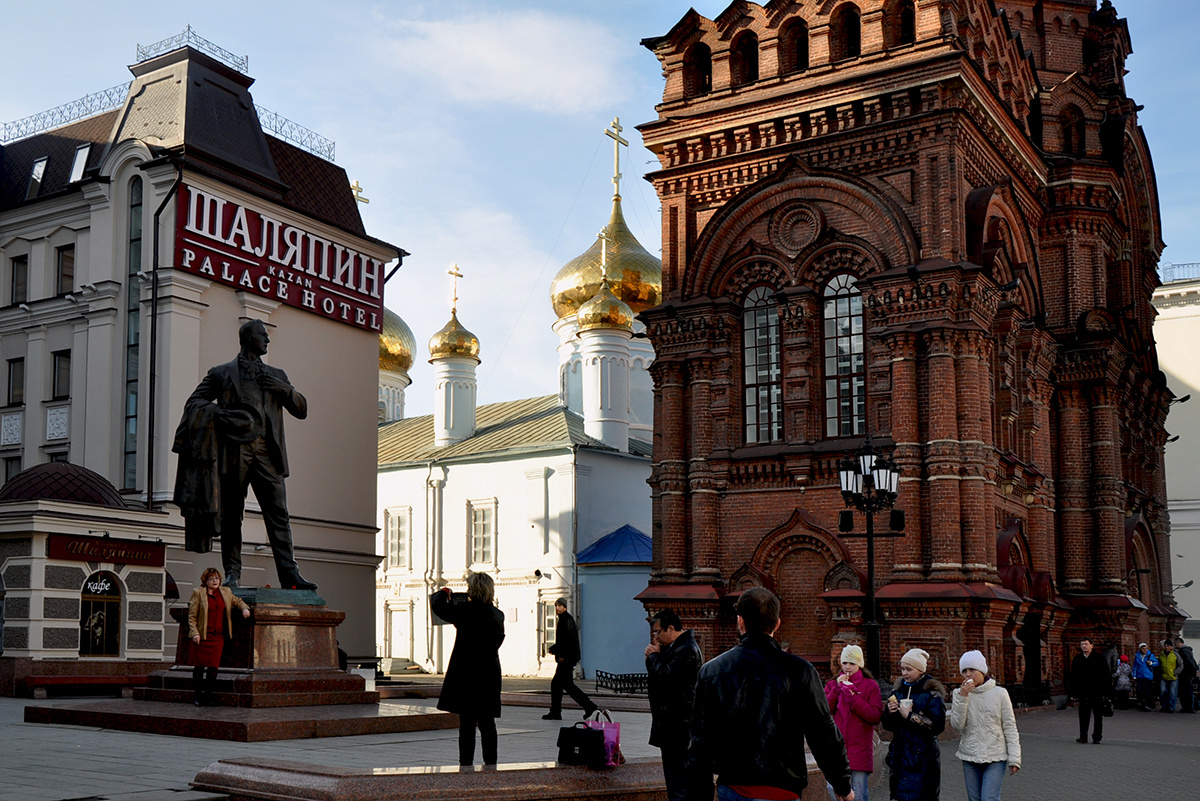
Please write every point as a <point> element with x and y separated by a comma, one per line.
<point>626,544</point>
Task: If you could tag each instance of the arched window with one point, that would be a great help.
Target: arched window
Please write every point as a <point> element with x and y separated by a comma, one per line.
<point>793,46</point>
<point>1074,132</point>
<point>761,353</point>
<point>845,370</point>
<point>745,59</point>
<point>100,616</point>
<point>845,33</point>
<point>697,71</point>
<point>906,22</point>
<point>133,326</point>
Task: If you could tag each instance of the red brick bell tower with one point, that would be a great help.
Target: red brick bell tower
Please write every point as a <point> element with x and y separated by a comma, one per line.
<point>934,222</point>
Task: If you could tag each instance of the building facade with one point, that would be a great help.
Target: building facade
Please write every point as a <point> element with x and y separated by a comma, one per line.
<point>133,245</point>
<point>934,223</point>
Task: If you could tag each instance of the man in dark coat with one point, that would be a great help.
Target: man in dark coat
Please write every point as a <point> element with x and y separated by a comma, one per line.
<point>566,655</point>
<point>1187,675</point>
<point>1090,684</point>
<point>250,398</point>
<point>755,707</point>
<point>673,659</point>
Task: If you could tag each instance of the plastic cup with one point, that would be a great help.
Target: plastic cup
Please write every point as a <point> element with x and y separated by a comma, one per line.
<point>906,705</point>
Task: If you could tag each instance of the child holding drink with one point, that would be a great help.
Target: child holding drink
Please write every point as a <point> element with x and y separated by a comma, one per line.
<point>915,713</point>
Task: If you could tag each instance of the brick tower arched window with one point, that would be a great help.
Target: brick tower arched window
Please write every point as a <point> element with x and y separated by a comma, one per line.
<point>761,351</point>
<point>793,46</point>
<point>845,370</point>
<point>900,24</point>
<point>1073,131</point>
<point>845,33</point>
<point>697,71</point>
<point>745,59</point>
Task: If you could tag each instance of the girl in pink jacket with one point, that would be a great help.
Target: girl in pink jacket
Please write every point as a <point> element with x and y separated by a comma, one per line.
<point>856,705</point>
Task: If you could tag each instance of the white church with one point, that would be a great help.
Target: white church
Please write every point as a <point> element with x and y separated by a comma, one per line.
<point>548,494</point>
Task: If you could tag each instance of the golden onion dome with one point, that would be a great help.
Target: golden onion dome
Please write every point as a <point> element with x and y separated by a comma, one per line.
<point>397,345</point>
<point>605,310</point>
<point>634,275</point>
<point>454,340</point>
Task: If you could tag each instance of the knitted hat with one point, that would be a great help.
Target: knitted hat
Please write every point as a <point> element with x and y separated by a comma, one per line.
<point>1124,658</point>
<point>973,660</point>
<point>916,658</point>
<point>852,653</point>
<point>1142,645</point>
<point>561,602</point>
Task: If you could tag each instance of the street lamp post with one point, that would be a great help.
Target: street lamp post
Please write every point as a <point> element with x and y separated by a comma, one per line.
<point>870,482</point>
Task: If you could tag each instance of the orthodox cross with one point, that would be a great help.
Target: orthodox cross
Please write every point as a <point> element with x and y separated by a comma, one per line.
<point>358,195</point>
<point>457,275</point>
<point>615,134</point>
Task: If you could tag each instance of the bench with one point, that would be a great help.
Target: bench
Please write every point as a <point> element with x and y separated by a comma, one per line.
<point>35,686</point>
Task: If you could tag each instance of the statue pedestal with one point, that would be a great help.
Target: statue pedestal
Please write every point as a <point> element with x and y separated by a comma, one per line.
<point>284,654</point>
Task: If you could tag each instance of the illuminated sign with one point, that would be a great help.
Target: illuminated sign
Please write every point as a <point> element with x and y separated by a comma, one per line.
<point>106,549</point>
<point>247,249</point>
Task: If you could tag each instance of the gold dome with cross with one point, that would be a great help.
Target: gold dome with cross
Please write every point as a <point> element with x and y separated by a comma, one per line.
<point>397,345</point>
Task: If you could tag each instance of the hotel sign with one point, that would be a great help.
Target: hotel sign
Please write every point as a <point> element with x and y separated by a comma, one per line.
<point>106,549</point>
<point>247,249</point>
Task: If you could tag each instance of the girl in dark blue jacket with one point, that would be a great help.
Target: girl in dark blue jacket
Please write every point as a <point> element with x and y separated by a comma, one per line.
<point>915,713</point>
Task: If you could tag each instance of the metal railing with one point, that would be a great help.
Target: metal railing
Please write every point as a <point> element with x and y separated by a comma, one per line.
<point>192,39</point>
<point>87,106</point>
<point>632,683</point>
<point>1179,272</point>
<point>295,133</point>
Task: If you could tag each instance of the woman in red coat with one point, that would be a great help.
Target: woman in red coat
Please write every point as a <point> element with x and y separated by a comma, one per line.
<point>209,623</point>
<point>857,706</point>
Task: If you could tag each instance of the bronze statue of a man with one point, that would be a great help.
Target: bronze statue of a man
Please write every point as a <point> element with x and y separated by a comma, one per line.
<point>231,436</point>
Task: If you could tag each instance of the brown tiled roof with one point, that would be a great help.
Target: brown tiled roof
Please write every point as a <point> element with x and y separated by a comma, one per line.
<point>60,481</point>
<point>317,187</point>
<point>530,424</point>
<point>16,159</point>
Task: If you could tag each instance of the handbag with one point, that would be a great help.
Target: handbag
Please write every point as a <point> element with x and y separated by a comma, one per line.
<point>612,736</point>
<point>581,745</point>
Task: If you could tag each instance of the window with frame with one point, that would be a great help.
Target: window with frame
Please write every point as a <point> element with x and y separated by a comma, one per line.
<point>18,288</point>
<point>64,271</point>
<point>481,516</point>
<point>62,375</point>
<point>845,38</point>
<point>12,466</point>
<point>548,627</point>
<point>793,37</point>
<point>762,377</point>
<point>697,71</point>
<point>845,370</point>
<point>133,325</point>
<point>745,59</point>
<point>16,382</point>
<point>35,177</point>
<point>397,538</point>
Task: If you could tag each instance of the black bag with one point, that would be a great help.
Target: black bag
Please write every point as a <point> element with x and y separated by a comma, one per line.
<point>579,745</point>
<point>1106,706</point>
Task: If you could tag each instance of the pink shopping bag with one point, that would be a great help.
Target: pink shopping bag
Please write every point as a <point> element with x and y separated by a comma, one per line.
<point>612,737</point>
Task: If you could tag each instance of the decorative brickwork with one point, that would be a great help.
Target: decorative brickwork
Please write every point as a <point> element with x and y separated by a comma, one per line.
<point>1004,238</point>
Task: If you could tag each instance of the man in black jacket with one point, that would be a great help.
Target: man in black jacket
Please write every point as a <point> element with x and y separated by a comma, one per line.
<point>1187,675</point>
<point>566,654</point>
<point>755,707</point>
<point>672,661</point>
<point>1091,684</point>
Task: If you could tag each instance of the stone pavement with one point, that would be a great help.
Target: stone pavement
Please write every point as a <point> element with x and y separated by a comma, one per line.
<point>1142,752</point>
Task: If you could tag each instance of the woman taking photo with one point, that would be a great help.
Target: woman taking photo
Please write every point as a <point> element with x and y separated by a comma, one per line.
<point>210,621</point>
<point>855,703</point>
<point>988,744</point>
<point>472,685</point>
<point>916,715</point>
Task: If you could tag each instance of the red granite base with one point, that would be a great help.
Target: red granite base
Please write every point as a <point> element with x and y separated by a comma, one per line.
<point>260,779</point>
<point>240,687</point>
<point>244,724</point>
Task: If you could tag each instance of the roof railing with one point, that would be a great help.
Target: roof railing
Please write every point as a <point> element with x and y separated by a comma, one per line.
<point>1179,272</point>
<point>190,38</point>
<point>87,106</point>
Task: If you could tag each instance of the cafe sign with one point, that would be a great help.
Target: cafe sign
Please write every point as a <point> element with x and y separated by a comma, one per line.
<point>106,549</point>
<point>247,249</point>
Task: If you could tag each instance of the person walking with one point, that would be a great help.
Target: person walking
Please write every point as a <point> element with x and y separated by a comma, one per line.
<point>1090,683</point>
<point>673,659</point>
<point>1123,682</point>
<point>210,622</point>
<point>756,705</point>
<point>988,743</point>
<point>856,704</point>
<point>566,656</point>
<point>1187,676</point>
<point>1144,664</point>
<point>915,714</point>
<point>1170,664</point>
<point>472,685</point>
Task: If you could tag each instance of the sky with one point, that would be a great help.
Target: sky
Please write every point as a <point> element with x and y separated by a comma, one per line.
<point>476,129</point>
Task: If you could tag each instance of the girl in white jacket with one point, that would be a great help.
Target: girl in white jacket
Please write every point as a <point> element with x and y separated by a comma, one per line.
<point>988,743</point>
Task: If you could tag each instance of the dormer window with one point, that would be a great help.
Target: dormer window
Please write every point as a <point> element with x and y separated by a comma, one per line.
<point>35,177</point>
<point>80,162</point>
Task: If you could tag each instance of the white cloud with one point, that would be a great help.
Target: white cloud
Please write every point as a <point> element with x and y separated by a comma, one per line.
<point>529,59</point>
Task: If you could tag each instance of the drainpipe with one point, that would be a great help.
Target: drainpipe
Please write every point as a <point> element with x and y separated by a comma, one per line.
<point>154,342</point>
